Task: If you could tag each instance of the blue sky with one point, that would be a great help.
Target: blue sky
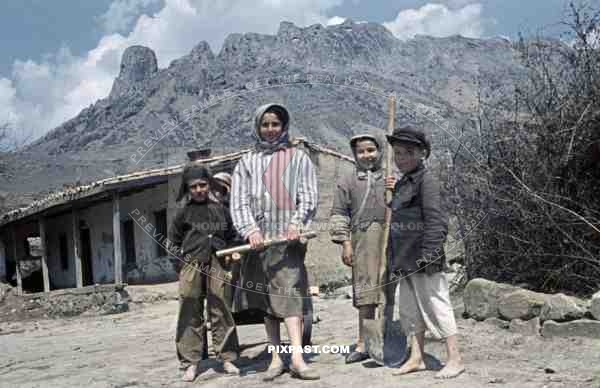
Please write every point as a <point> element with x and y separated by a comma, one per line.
<point>60,56</point>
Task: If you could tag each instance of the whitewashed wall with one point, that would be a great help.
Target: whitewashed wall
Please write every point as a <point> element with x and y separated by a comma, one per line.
<point>140,207</point>
<point>323,257</point>
<point>55,226</point>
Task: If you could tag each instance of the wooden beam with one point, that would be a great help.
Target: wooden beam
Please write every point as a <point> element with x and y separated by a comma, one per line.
<point>77,249</point>
<point>43,245</point>
<point>16,257</point>
<point>117,239</point>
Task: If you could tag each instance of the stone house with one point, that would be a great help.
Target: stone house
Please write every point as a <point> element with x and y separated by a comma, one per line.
<point>110,231</point>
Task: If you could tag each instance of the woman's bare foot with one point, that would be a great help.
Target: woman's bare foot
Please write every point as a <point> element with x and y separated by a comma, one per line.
<point>297,362</point>
<point>190,373</point>
<point>452,369</point>
<point>410,366</point>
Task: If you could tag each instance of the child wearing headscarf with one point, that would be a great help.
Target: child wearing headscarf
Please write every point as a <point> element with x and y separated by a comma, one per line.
<point>357,218</point>
<point>200,228</point>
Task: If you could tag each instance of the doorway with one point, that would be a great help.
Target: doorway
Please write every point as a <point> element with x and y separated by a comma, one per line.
<point>86,257</point>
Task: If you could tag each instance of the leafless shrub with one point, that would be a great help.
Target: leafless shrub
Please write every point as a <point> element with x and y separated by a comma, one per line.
<point>538,183</point>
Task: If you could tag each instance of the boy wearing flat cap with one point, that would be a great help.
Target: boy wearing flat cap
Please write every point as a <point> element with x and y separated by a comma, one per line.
<point>417,235</point>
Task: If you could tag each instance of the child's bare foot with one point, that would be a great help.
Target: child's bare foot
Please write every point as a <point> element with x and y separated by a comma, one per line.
<point>190,373</point>
<point>276,369</point>
<point>409,367</point>
<point>452,369</point>
<point>230,368</point>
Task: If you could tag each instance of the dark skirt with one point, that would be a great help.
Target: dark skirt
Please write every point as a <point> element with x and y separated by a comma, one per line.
<point>274,281</point>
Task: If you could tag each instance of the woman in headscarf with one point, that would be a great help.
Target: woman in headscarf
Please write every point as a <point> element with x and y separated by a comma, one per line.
<point>357,218</point>
<point>274,193</point>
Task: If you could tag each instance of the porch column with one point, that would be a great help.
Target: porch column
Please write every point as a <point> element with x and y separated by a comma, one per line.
<point>13,230</point>
<point>42,223</point>
<point>117,239</point>
<point>76,249</point>
<point>3,256</point>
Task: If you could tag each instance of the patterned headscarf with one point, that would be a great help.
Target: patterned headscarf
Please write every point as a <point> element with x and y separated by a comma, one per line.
<point>284,116</point>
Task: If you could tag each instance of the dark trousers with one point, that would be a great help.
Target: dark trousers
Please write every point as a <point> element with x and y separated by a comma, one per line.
<point>199,282</point>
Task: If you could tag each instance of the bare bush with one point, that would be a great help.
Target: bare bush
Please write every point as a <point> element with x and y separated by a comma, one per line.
<point>538,182</point>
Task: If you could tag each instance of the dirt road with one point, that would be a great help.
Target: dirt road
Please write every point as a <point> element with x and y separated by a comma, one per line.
<point>136,349</point>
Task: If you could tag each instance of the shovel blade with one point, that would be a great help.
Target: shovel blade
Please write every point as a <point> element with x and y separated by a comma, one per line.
<point>385,342</point>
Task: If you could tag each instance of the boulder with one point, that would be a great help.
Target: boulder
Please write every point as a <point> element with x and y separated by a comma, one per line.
<point>481,298</point>
<point>115,303</point>
<point>499,323</point>
<point>579,328</point>
<point>530,327</point>
<point>595,305</point>
<point>561,308</point>
<point>521,304</point>
<point>5,289</point>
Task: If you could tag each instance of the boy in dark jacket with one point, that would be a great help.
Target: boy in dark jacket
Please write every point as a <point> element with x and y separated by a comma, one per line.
<point>199,229</point>
<point>417,235</point>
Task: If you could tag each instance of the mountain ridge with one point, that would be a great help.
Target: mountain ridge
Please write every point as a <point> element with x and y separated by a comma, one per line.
<point>443,74</point>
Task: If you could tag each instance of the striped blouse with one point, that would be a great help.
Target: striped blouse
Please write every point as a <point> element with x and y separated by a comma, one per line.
<point>271,190</point>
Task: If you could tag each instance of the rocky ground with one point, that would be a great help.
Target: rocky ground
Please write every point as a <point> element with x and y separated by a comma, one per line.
<point>136,348</point>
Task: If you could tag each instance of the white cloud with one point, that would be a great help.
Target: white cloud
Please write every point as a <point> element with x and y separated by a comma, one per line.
<point>438,20</point>
<point>335,20</point>
<point>459,3</point>
<point>122,14</point>
<point>49,92</point>
<point>8,112</point>
<point>42,95</point>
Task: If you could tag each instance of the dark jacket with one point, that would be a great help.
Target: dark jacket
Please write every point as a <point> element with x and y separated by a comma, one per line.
<point>419,225</point>
<point>200,229</point>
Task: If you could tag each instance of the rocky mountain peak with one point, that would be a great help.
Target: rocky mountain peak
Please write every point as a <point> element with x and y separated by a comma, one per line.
<point>202,53</point>
<point>138,64</point>
<point>288,29</point>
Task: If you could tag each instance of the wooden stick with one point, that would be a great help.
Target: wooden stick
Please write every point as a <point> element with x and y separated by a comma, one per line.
<point>268,242</point>
<point>388,210</point>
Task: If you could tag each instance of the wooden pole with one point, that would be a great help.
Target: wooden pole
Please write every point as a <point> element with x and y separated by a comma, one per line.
<point>117,239</point>
<point>388,211</point>
<point>43,245</point>
<point>17,263</point>
<point>304,237</point>
<point>76,249</point>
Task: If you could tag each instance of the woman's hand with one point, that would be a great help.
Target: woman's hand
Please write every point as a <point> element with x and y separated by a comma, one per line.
<point>347,253</point>
<point>390,182</point>
<point>292,233</point>
<point>256,240</point>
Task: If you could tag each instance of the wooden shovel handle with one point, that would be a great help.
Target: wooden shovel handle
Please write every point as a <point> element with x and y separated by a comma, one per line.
<point>304,237</point>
